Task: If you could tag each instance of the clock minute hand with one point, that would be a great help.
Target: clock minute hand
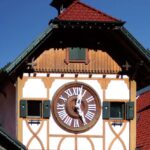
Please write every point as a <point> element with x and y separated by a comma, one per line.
<point>78,106</point>
<point>81,114</point>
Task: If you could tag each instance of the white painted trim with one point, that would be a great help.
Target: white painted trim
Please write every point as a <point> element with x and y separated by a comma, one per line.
<point>83,75</point>
<point>68,75</point>
<point>97,76</point>
<point>41,75</point>
<point>73,75</point>
<point>55,75</point>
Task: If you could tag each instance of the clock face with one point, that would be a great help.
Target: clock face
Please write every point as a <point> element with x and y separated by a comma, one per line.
<point>76,107</point>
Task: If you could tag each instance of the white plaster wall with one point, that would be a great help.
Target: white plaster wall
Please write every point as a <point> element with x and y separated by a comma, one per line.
<point>98,143</point>
<point>84,144</point>
<point>53,142</point>
<point>125,135</point>
<point>42,134</point>
<point>55,129</point>
<point>117,89</point>
<point>110,136</point>
<point>35,145</point>
<point>26,133</point>
<point>56,85</point>
<point>34,88</point>
<point>67,144</point>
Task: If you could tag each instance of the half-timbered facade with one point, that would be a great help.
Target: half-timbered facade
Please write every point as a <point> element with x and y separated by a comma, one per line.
<point>75,86</point>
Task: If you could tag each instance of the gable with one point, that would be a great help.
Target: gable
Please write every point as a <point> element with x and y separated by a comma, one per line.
<point>99,34</point>
<point>53,60</point>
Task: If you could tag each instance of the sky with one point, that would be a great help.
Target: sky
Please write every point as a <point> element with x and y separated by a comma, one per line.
<point>22,21</point>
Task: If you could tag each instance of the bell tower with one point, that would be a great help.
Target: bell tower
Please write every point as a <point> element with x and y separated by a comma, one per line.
<point>60,5</point>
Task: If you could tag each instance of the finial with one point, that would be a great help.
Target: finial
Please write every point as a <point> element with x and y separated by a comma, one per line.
<point>60,5</point>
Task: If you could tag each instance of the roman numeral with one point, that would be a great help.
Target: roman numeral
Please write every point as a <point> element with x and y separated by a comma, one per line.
<point>90,115</point>
<point>92,107</point>
<point>89,99</point>
<point>62,114</point>
<point>76,123</point>
<point>69,93</point>
<point>63,98</point>
<point>68,121</point>
<point>75,90</point>
<point>60,106</point>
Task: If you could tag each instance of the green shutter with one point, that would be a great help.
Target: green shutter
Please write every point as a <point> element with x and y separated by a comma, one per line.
<point>106,110</point>
<point>77,53</point>
<point>23,108</point>
<point>129,110</point>
<point>46,109</point>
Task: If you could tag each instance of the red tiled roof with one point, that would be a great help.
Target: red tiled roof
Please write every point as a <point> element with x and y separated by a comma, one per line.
<point>143,130</point>
<point>78,11</point>
<point>143,121</point>
<point>143,101</point>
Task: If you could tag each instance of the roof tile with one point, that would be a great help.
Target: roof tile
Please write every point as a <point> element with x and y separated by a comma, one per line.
<point>143,121</point>
<point>143,101</point>
<point>78,11</point>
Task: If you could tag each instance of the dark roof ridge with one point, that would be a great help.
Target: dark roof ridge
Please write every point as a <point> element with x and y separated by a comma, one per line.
<point>143,90</point>
<point>143,51</point>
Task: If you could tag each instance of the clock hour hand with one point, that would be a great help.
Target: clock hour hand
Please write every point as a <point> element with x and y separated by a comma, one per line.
<point>79,98</point>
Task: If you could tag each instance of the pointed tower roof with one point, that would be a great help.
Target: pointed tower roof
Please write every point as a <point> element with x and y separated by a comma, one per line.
<point>79,11</point>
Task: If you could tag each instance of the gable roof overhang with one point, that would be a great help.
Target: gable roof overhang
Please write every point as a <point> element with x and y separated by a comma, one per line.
<point>28,54</point>
<point>121,45</point>
<point>7,142</point>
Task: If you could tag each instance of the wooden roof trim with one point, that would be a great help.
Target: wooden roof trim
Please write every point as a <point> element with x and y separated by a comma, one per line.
<point>144,90</point>
<point>8,142</point>
<point>132,39</point>
<point>32,47</point>
<point>87,24</point>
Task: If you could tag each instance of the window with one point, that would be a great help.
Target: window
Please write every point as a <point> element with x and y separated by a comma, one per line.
<point>117,110</point>
<point>77,55</point>
<point>34,108</point>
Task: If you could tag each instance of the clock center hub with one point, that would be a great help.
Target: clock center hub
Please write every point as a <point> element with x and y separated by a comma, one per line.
<point>71,108</point>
